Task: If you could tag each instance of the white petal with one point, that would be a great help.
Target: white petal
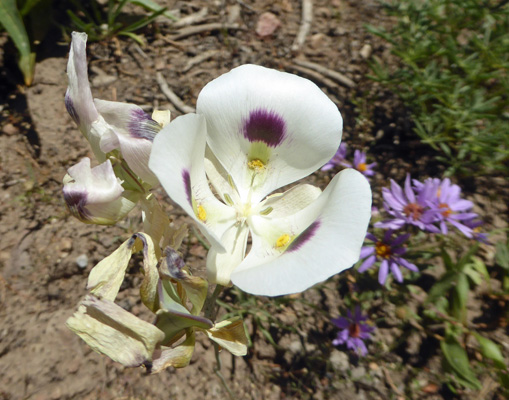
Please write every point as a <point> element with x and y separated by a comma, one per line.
<point>330,233</point>
<point>291,201</point>
<point>286,117</point>
<point>131,130</point>
<point>94,195</point>
<point>221,264</point>
<point>78,98</point>
<point>177,159</point>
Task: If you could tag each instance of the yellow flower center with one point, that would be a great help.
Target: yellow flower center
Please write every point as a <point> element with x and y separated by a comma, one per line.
<point>201,214</point>
<point>282,240</point>
<point>362,167</point>
<point>446,211</point>
<point>256,164</point>
<point>382,250</point>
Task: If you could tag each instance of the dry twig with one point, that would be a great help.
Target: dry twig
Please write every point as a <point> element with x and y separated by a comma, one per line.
<point>175,100</point>
<point>192,19</point>
<point>315,76</point>
<point>195,30</point>
<point>199,59</point>
<point>337,76</point>
<point>305,24</point>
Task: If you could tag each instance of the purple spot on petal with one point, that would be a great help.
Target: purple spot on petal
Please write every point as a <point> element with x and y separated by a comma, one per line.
<point>76,202</point>
<point>304,237</point>
<point>69,105</point>
<point>187,184</point>
<point>264,126</point>
<point>142,126</point>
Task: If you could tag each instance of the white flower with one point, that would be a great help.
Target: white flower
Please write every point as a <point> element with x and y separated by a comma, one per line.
<point>108,125</point>
<point>95,195</point>
<point>255,131</point>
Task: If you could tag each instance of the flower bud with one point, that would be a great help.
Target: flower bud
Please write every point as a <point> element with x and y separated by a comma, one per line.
<point>95,195</point>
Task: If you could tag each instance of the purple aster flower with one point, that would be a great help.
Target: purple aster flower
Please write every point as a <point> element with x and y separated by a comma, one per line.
<point>450,207</point>
<point>475,225</point>
<point>338,159</point>
<point>359,163</point>
<point>353,331</point>
<point>389,251</point>
<point>410,207</point>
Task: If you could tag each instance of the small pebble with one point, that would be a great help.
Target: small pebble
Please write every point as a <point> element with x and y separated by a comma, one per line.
<point>366,51</point>
<point>82,261</point>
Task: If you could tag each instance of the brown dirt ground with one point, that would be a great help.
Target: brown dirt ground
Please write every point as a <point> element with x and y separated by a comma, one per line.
<point>41,283</point>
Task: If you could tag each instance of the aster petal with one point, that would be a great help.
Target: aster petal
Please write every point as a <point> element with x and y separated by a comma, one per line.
<point>383,272</point>
<point>177,159</point>
<point>366,251</point>
<point>283,120</point>
<point>408,265</point>
<point>368,263</point>
<point>340,215</point>
<point>132,131</point>
<point>396,271</point>
<point>397,194</point>
<point>409,192</point>
<point>341,322</point>
<point>400,240</point>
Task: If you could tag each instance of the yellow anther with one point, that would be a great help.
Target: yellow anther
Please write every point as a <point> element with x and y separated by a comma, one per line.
<point>201,214</point>
<point>256,164</point>
<point>362,167</point>
<point>282,240</point>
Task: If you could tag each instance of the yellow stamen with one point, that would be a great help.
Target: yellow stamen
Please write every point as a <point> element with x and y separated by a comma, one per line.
<point>256,164</point>
<point>362,167</point>
<point>201,214</point>
<point>282,240</point>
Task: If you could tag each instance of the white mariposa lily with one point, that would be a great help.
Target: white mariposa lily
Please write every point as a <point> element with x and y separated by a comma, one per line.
<point>109,125</point>
<point>255,131</point>
<point>95,195</point>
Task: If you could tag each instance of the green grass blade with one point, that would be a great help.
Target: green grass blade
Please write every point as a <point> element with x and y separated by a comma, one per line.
<point>152,6</point>
<point>10,18</point>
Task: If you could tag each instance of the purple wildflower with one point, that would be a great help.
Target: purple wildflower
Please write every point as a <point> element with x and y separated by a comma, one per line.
<point>389,251</point>
<point>338,159</point>
<point>450,207</point>
<point>359,163</point>
<point>475,225</point>
<point>353,332</point>
<point>409,207</point>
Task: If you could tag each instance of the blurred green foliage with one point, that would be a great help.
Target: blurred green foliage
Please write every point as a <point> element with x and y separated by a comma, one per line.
<point>21,19</point>
<point>454,58</point>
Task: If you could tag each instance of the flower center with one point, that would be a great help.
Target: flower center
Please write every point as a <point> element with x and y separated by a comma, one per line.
<point>362,167</point>
<point>383,250</point>
<point>256,165</point>
<point>413,210</point>
<point>446,211</point>
<point>354,330</point>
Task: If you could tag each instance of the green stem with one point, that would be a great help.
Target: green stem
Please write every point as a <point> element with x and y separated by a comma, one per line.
<point>210,308</point>
<point>217,370</point>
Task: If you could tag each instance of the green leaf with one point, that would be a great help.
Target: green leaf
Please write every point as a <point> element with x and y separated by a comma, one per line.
<point>490,350</point>
<point>441,288</point>
<point>173,323</point>
<point>173,267</point>
<point>456,357</point>
<point>502,254</point>
<point>153,6</point>
<point>10,18</point>
<point>459,298</point>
